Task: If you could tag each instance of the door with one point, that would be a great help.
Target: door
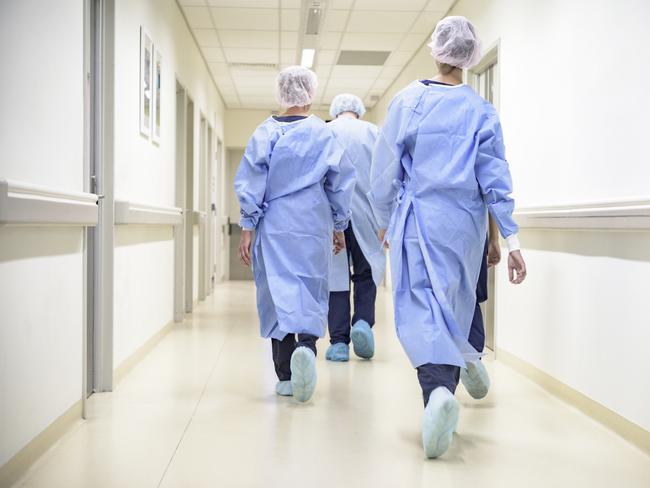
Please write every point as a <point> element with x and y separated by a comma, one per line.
<point>179,230</point>
<point>188,207</point>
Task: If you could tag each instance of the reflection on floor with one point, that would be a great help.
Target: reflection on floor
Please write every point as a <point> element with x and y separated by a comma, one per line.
<point>200,411</point>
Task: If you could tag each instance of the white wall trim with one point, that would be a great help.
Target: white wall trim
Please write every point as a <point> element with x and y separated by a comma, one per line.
<point>198,217</point>
<point>27,203</point>
<point>617,214</point>
<point>128,212</point>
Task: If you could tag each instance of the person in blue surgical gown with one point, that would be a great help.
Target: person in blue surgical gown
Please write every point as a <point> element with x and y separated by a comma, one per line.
<point>294,186</point>
<point>364,251</point>
<point>438,168</point>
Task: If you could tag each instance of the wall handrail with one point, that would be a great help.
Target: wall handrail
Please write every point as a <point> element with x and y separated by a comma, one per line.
<point>198,217</point>
<point>128,212</point>
<point>23,203</point>
<point>615,214</point>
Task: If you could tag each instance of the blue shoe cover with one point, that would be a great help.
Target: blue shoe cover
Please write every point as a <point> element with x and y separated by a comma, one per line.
<point>338,352</point>
<point>475,379</point>
<point>363,340</point>
<point>303,373</point>
<point>283,388</point>
<point>439,422</point>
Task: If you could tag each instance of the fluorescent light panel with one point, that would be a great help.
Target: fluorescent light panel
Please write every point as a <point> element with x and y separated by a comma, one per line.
<point>307,59</point>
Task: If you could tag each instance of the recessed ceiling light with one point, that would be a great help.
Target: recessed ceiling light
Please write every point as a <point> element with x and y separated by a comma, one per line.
<point>307,59</point>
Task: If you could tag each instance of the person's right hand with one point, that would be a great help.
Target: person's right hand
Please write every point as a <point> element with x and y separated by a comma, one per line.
<point>245,246</point>
<point>338,239</point>
<point>516,267</point>
<point>381,234</point>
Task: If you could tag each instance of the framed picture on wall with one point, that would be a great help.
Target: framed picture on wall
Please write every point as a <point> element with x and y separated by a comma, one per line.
<point>157,61</point>
<point>146,82</point>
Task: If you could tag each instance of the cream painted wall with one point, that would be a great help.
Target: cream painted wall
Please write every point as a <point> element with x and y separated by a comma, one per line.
<point>582,316</point>
<point>145,172</point>
<point>240,124</point>
<point>41,269</point>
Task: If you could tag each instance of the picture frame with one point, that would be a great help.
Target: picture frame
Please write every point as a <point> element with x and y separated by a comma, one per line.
<point>157,75</point>
<point>146,83</point>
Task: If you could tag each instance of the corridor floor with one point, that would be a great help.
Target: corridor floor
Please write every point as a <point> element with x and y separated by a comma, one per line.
<point>200,411</point>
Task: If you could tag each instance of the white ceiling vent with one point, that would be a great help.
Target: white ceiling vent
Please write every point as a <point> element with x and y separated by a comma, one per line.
<point>253,66</point>
<point>314,17</point>
<point>363,58</point>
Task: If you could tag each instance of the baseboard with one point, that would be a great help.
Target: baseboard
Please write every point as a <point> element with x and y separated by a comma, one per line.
<point>129,363</point>
<point>628,430</point>
<point>18,465</point>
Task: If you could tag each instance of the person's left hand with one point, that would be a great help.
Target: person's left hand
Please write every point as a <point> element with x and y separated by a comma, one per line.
<point>494,252</point>
<point>338,241</point>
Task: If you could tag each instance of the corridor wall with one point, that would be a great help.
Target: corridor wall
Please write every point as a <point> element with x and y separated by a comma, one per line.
<point>145,172</point>
<point>575,131</point>
<point>41,268</point>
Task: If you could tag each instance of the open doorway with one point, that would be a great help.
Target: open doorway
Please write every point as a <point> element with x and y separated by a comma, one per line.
<point>484,78</point>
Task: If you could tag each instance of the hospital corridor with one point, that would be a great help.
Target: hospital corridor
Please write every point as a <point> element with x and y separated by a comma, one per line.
<point>324,243</point>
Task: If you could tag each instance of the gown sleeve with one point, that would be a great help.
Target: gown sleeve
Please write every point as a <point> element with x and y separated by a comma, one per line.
<point>250,181</point>
<point>386,172</point>
<point>493,175</point>
<point>339,184</point>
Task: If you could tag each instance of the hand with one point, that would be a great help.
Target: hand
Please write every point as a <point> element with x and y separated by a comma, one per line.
<point>516,264</point>
<point>381,234</point>
<point>339,241</point>
<point>494,252</point>
<point>245,246</point>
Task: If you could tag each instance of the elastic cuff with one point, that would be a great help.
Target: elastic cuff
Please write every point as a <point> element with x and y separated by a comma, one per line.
<point>247,224</point>
<point>513,243</point>
<point>341,226</point>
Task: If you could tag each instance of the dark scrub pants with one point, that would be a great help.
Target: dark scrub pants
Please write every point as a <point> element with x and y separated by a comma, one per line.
<point>282,351</point>
<point>431,376</point>
<point>365,294</point>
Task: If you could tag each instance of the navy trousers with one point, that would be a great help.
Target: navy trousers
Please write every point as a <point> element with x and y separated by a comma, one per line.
<point>282,351</point>
<point>365,294</point>
<point>431,376</point>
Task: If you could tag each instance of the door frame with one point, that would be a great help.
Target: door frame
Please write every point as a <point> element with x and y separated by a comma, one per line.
<point>489,308</point>
<point>99,56</point>
<point>179,201</point>
<point>188,207</point>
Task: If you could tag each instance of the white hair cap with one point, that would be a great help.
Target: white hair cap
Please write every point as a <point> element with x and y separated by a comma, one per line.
<point>296,87</point>
<point>346,102</point>
<point>454,42</point>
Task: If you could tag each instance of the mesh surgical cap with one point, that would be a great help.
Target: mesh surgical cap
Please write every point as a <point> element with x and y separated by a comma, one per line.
<point>296,87</point>
<point>454,42</point>
<point>346,102</point>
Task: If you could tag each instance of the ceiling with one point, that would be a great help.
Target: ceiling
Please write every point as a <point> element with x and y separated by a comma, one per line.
<point>246,43</point>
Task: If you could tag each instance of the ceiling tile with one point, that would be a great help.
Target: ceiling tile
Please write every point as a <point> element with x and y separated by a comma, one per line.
<point>382,83</point>
<point>412,42</point>
<point>439,5</point>
<point>426,23</point>
<point>219,69</point>
<point>290,19</point>
<point>326,56</point>
<point>371,42</point>
<point>342,4</point>
<point>289,40</point>
<point>361,21</point>
<point>258,79</point>
<point>288,56</point>
<point>245,18</point>
<point>257,90</point>
<point>399,58</point>
<point>192,2</point>
<point>198,17</point>
<point>390,72</point>
<point>238,55</point>
<point>392,5</point>
<point>349,84</point>
<point>335,20</point>
<point>249,39</point>
<point>330,40</point>
<point>290,3</point>
<point>213,54</point>
<point>206,37</point>
<point>323,72</point>
<point>244,3</point>
<point>356,71</point>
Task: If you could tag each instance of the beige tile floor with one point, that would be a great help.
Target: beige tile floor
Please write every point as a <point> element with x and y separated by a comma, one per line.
<point>200,411</point>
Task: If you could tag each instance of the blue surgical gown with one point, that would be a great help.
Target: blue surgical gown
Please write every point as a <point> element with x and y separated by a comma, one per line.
<point>438,167</point>
<point>359,138</point>
<point>294,186</point>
